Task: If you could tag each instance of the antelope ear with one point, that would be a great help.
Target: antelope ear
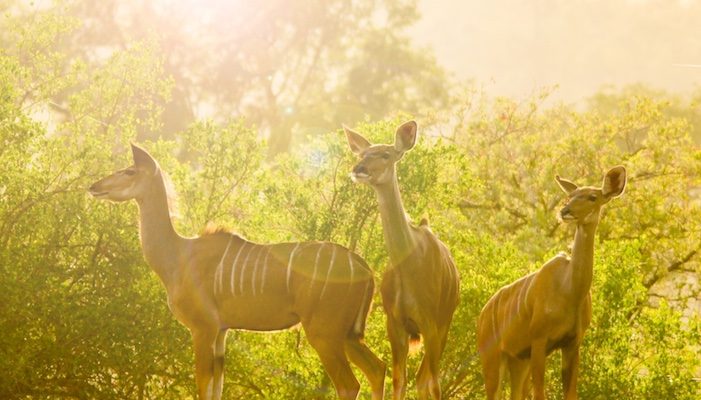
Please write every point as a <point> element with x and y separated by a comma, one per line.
<point>356,141</point>
<point>614,182</point>
<point>405,138</point>
<point>143,159</point>
<point>566,185</point>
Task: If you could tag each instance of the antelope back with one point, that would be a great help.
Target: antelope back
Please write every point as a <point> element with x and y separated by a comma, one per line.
<point>303,278</point>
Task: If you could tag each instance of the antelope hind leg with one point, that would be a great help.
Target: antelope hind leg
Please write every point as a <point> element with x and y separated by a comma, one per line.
<point>493,371</point>
<point>373,368</point>
<point>333,356</point>
<point>518,372</point>
<point>428,376</point>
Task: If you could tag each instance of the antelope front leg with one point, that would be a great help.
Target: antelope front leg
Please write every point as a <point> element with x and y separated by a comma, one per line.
<point>518,371</point>
<point>538,368</point>
<point>492,372</point>
<point>399,341</point>
<point>206,363</point>
<point>570,369</point>
<point>218,369</point>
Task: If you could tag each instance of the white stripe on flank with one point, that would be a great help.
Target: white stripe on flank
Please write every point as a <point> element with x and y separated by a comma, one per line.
<point>220,268</point>
<point>528,290</point>
<point>233,266</point>
<point>520,297</point>
<point>255,270</point>
<point>494,318</point>
<point>449,265</point>
<point>505,320</point>
<point>243,269</point>
<point>328,273</point>
<point>359,317</point>
<point>397,290</point>
<point>289,266</point>
<point>350,264</point>
<point>316,265</point>
<point>265,270</point>
<point>446,265</point>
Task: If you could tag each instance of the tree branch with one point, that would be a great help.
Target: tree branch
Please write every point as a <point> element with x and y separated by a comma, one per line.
<point>672,267</point>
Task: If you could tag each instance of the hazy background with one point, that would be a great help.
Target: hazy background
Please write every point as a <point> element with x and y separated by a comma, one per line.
<point>514,47</point>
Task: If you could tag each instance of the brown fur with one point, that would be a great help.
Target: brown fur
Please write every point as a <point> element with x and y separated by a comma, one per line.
<point>213,229</point>
<point>549,309</point>
<point>220,281</point>
<point>421,287</point>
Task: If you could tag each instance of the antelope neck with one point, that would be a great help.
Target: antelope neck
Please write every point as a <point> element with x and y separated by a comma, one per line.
<point>159,241</point>
<point>583,258</point>
<point>397,231</point>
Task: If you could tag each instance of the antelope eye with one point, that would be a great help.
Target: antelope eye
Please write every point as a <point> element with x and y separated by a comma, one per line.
<point>385,156</point>
<point>130,172</point>
<point>592,197</point>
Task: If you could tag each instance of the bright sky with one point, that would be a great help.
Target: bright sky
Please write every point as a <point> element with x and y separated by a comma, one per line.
<point>514,47</point>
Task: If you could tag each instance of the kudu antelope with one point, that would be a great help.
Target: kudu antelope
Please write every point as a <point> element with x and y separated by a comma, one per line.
<point>220,281</point>
<point>420,289</point>
<point>549,309</point>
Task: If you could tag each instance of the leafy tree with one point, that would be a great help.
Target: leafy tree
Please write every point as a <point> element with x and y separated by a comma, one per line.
<point>609,100</point>
<point>516,150</point>
<point>292,68</point>
<point>72,271</point>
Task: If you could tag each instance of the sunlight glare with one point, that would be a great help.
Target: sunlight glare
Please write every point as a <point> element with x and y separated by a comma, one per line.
<point>206,11</point>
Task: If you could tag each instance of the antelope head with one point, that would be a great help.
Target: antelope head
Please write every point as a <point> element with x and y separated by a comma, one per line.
<point>377,161</point>
<point>585,202</point>
<point>128,183</point>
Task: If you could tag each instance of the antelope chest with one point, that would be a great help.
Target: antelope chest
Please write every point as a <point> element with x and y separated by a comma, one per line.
<point>564,329</point>
<point>175,310</point>
<point>188,310</point>
<point>408,296</point>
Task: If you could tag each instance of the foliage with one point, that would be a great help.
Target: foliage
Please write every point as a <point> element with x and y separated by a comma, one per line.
<point>608,101</point>
<point>71,270</point>
<point>290,67</point>
<point>83,317</point>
